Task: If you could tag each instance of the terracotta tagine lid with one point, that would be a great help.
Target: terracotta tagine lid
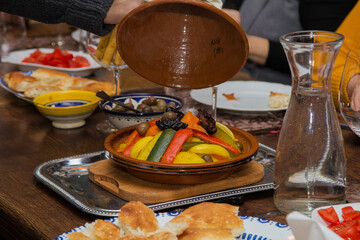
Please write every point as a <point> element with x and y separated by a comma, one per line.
<point>182,43</point>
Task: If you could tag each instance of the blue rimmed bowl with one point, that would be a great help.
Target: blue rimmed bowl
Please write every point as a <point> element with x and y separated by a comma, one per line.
<point>67,109</point>
<point>125,119</point>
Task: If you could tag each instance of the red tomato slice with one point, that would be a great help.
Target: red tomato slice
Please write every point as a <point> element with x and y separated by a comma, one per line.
<point>347,209</point>
<point>329,215</point>
<point>57,58</point>
<point>351,215</point>
<point>350,233</point>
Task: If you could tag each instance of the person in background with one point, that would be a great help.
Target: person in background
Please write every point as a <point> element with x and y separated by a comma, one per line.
<point>96,16</point>
<point>266,21</point>
<point>350,28</point>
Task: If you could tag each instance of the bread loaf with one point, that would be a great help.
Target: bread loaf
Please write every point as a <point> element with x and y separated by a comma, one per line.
<point>47,80</point>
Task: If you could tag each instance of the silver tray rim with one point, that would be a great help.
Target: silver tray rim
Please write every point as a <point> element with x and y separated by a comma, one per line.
<point>63,192</point>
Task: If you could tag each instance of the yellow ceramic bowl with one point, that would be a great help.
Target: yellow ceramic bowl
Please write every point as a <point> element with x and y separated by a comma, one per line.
<point>67,109</point>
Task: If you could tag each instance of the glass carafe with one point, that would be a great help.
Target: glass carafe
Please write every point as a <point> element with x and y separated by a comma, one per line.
<point>310,165</point>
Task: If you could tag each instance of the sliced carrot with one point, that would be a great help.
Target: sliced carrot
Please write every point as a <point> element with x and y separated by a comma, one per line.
<point>152,131</point>
<point>197,127</point>
<point>153,122</point>
<point>188,117</point>
<point>128,141</point>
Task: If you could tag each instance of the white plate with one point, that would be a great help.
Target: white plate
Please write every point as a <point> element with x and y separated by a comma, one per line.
<point>252,96</point>
<point>16,57</point>
<point>315,215</point>
<point>256,228</point>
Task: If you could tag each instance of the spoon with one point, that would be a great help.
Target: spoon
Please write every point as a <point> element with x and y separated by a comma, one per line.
<point>103,95</point>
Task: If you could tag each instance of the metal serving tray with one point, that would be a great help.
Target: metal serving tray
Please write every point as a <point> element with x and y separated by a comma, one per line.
<point>69,178</point>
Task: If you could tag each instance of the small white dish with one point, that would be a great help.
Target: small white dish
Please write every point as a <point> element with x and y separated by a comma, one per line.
<point>315,215</point>
<point>16,58</point>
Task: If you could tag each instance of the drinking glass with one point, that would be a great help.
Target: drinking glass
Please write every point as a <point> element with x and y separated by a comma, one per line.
<point>349,91</point>
<point>12,33</point>
<point>109,59</point>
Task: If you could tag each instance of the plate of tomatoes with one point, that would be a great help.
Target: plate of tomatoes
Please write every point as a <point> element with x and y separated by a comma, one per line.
<point>71,62</point>
<point>343,219</point>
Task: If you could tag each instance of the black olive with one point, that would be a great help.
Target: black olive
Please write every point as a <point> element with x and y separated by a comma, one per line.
<point>169,115</point>
<point>161,104</point>
<point>155,108</point>
<point>147,109</point>
<point>171,104</point>
<point>207,158</point>
<point>118,108</point>
<point>142,128</point>
<point>174,124</point>
<point>141,106</point>
<point>152,100</point>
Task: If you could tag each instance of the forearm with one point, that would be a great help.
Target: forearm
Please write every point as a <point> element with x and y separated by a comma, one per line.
<point>258,49</point>
<point>85,14</point>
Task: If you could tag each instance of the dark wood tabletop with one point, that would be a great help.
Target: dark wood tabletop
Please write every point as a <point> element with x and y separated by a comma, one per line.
<point>30,210</point>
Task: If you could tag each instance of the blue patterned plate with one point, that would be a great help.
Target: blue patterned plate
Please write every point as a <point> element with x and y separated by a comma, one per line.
<point>256,228</point>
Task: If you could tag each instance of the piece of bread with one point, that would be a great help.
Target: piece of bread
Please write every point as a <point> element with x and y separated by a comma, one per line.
<point>102,230</point>
<point>77,236</point>
<point>212,215</point>
<point>207,234</point>
<point>19,81</point>
<point>96,86</point>
<point>278,100</point>
<point>70,83</point>
<point>133,237</point>
<point>49,76</point>
<point>163,236</point>
<point>135,218</point>
<point>38,90</point>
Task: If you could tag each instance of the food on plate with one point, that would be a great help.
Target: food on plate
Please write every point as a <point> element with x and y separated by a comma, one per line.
<point>278,100</point>
<point>133,223</point>
<point>349,228</point>
<point>47,80</point>
<point>181,140</point>
<point>202,221</point>
<point>106,51</point>
<point>57,58</point>
<point>19,81</point>
<point>230,96</point>
<point>212,215</point>
<point>147,105</point>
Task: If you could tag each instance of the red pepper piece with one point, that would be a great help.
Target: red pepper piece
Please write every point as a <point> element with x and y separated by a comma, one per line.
<point>127,150</point>
<point>175,145</point>
<point>329,215</point>
<point>215,140</point>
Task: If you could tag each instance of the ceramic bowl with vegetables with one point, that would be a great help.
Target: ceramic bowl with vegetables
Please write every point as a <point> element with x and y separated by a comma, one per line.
<point>181,148</point>
<point>150,105</point>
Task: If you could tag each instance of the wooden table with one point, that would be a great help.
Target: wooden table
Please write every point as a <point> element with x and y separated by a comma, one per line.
<point>30,210</point>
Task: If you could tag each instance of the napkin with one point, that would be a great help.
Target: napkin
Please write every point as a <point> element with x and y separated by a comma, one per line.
<point>305,228</point>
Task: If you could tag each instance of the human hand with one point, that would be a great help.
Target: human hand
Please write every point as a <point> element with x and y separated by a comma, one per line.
<point>235,14</point>
<point>119,9</point>
<point>353,90</point>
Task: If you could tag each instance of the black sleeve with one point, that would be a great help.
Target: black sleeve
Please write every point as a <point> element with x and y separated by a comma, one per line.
<point>277,59</point>
<point>86,14</point>
<point>324,14</point>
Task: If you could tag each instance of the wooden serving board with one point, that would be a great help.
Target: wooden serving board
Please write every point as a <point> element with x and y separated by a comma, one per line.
<point>118,181</point>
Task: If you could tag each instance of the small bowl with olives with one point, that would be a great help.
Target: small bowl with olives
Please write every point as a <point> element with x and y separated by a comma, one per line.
<point>149,106</point>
